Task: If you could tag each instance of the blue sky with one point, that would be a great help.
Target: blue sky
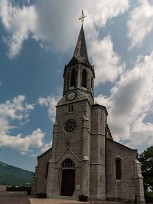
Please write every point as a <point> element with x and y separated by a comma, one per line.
<point>37,39</point>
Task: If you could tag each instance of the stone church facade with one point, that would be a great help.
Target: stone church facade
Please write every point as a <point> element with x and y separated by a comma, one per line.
<point>84,158</point>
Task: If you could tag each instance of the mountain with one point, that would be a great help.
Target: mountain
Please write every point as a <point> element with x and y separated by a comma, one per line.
<point>10,175</point>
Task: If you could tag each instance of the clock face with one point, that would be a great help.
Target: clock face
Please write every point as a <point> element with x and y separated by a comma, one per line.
<point>70,125</point>
<point>71,96</point>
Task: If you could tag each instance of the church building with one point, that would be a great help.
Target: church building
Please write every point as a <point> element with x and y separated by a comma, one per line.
<point>84,159</point>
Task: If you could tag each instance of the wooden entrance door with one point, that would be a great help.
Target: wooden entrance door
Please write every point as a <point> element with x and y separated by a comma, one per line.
<point>68,182</point>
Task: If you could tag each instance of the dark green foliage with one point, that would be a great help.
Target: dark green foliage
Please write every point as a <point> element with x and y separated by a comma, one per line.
<point>146,159</point>
<point>148,197</point>
<point>19,188</point>
<point>10,175</point>
<point>41,195</point>
<point>83,198</point>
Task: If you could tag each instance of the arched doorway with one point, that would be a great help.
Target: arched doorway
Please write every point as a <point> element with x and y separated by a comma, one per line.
<point>68,178</point>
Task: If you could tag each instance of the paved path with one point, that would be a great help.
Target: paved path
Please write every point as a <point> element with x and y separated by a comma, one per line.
<point>54,201</point>
<point>13,198</point>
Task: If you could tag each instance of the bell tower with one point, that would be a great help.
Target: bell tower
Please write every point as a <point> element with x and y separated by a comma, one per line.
<point>79,73</point>
<point>69,164</point>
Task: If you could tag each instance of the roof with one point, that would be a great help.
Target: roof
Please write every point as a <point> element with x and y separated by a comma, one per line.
<point>80,52</point>
<point>50,149</point>
<point>121,145</point>
<point>100,106</point>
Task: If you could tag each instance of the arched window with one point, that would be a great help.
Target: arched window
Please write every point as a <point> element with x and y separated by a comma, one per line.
<point>84,78</point>
<point>73,78</point>
<point>118,169</point>
<point>68,163</point>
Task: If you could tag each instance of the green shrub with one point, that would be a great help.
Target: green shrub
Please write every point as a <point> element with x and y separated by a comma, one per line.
<point>148,197</point>
<point>19,188</point>
<point>41,195</point>
<point>83,198</point>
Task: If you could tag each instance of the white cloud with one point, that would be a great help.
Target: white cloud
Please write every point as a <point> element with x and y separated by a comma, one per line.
<point>103,100</point>
<point>99,12</point>
<point>130,102</point>
<point>46,146</point>
<point>141,135</point>
<point>21,143</point>
<point>50,21</point>
<point>19,23</point>
<point>58,29</point>
<point>108,65</point>
<point>51,103</point>
<point>4,125</point>
<point>18,109</point>
<point>140,22</point>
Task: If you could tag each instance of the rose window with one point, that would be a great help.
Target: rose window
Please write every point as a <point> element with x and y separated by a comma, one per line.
<point>70,125</point>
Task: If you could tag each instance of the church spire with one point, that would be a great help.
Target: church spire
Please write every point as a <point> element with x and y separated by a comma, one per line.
<point>79,73</point>
<point>80,52</point>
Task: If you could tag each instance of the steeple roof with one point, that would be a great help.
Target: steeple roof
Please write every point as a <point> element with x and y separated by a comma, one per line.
<point>80,49</point>
<point>80,52</point>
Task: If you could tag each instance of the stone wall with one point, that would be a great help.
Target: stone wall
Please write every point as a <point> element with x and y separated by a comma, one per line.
<point>40,177</point>
<point>124,188</point>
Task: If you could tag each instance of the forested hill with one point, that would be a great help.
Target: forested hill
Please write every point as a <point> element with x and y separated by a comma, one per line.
<point>10,175</point>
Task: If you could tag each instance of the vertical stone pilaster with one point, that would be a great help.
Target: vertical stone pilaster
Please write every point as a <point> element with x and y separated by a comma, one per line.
<point>139,188</point>
<point>50,180</point>
<point>55,134</point>
<point>85,177</point>
<point>85,138</point>
<point>85,156</point>
<point>79,78</point>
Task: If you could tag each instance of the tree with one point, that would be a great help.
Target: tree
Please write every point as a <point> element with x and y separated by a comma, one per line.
<point>146,159</point>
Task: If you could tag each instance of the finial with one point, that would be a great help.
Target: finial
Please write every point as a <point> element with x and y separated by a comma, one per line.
<point>82,17</point>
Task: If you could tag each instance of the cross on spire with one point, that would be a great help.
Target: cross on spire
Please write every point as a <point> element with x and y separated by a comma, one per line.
<point>82,17</point>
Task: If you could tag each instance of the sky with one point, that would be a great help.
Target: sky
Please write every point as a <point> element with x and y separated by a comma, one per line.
<point>37,39</point>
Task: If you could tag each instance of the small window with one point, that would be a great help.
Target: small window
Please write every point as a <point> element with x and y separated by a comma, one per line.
<point>118,169</point>
<point>101,151</point>
<point>84,78</point>
<point>70,108</point>
<point>73,78</point>
<point>68,163</point>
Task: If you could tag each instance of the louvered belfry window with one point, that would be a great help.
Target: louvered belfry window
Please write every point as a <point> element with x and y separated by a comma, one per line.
<point>84,78</point>
<point>73,78</point>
